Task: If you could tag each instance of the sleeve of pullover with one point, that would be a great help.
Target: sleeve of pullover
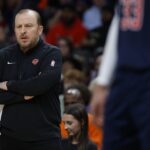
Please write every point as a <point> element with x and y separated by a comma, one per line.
<point>10,98</point>
<point>5,96</point>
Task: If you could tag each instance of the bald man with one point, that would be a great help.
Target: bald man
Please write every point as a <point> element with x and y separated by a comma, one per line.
<point>30,73</point>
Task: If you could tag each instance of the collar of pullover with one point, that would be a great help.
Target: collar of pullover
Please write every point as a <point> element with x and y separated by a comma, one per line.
<point>40,42</point>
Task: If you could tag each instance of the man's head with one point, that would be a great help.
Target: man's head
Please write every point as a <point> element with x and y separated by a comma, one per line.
<point>28,28</point>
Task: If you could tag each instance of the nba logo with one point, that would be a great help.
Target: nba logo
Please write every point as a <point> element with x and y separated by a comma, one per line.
<point>35,61</point>
<point>53,63</point>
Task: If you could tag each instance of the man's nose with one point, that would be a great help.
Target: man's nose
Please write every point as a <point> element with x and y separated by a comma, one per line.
<point>23,30</point>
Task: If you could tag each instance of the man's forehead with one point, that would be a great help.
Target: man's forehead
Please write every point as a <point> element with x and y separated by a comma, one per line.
<point>27,17</point>
<point>28,12</point>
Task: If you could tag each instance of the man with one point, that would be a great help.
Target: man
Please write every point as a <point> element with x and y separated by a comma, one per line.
<point>30,74</point>
<point>127,113</point>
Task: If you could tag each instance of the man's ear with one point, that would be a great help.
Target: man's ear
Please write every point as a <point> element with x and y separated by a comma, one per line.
<point>40,30</point>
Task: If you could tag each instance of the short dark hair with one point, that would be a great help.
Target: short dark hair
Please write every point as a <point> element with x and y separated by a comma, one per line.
<point>39,20</point>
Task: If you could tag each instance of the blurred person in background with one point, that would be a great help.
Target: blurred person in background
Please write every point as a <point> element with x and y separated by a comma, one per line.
<point>73,76</point>
<point>75,120</point>
<point>69,25</point>
<point>97,19</point>
<point>92,17</point>
<point>127,113</point>
<point>79,93</point>
<point>66,47</point>
<point>10,8</point>
<point>4,41</point>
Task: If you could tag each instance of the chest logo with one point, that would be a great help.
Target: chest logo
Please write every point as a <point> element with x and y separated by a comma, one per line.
<point>35,61</point>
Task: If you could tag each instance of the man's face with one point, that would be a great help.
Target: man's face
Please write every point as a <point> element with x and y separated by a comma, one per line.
<point>27,30</point>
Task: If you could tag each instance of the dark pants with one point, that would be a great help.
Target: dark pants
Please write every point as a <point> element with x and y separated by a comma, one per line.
<point>127,112</point>
<point>9,143</point>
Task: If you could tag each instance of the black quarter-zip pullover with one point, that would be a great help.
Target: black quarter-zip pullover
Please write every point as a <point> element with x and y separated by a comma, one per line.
<point>34,73</point>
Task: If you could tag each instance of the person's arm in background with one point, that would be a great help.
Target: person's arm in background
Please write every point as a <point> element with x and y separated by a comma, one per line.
<point>49,76</point>
<point>106,72</point>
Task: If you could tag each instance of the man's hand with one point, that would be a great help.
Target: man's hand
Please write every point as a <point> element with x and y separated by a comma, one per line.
<point>28,97</point>
<point>97,104</point>
<point>3,85</point>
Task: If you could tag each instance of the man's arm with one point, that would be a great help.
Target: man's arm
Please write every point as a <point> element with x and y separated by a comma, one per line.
<point>6,97</point>
<point>48,77</point>
<point>106,72</point>
<point>10,98</point>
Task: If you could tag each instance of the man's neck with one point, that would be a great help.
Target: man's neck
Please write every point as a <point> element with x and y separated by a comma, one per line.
<point>26,49</point>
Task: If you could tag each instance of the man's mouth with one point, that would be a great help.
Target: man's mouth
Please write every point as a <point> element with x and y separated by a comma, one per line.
<point>24,39</point>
